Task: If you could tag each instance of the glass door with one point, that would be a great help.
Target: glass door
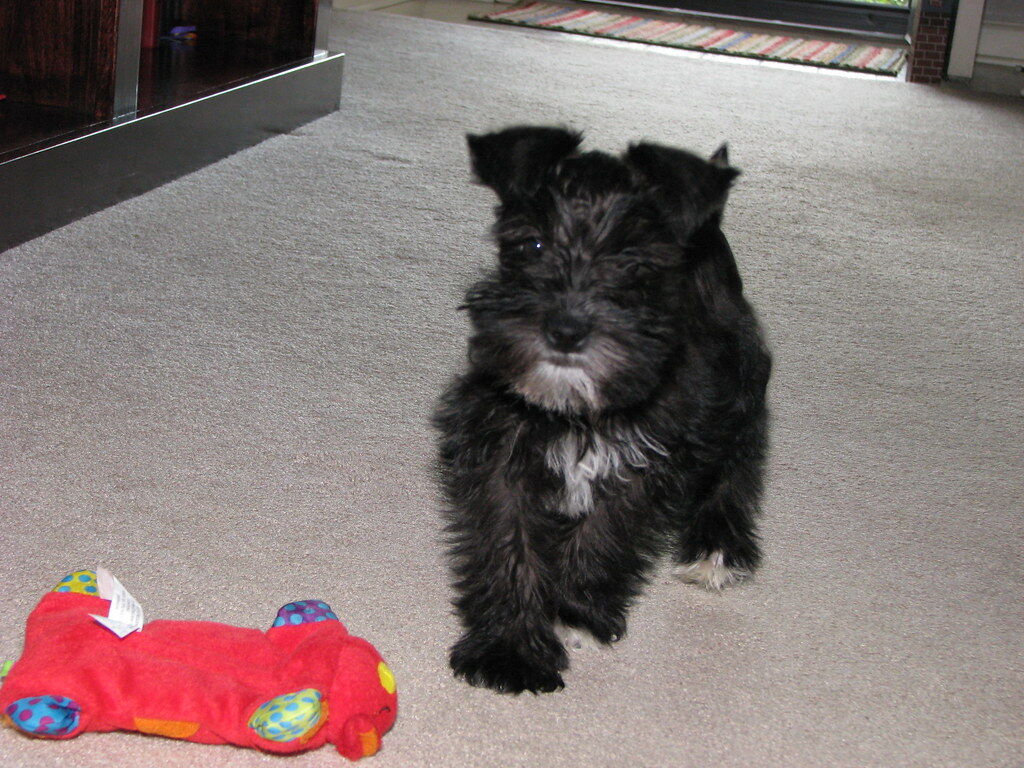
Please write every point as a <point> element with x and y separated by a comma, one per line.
<point>881,18</point>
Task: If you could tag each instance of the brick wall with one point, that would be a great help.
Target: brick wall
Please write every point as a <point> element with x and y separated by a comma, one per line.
<point>930,45</point>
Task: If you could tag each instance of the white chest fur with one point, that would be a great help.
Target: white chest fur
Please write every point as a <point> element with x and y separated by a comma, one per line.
<point>584,458</point>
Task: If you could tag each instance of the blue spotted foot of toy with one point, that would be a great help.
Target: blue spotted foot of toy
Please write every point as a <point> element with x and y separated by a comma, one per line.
<point>289,717</point>
<point>82,582</point>
<point>44,715</point>
<point>304,612</point>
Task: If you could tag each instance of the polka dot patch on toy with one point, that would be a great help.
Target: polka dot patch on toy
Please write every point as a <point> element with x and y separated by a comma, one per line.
<point>304,612</point>
<point>81,582</point>
<point>288,717</point>
<point>44,715</point>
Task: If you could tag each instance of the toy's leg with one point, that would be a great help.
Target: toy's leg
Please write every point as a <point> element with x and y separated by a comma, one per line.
<point>359,738</point>
<point>304,612</point>
<point>44,715</point>
<point>301,714</point>
<point>290,717</point>
<point>82,582</point>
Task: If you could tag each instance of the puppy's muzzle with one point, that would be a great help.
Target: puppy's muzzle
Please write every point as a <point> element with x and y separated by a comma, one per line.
<point>567,332</point>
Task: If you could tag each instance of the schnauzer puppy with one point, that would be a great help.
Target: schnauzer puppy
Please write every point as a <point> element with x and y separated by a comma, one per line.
<point>613,408</point>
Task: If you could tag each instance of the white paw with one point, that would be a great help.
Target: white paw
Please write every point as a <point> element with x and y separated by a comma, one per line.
<point>576,638</point>
<point>710,573</point>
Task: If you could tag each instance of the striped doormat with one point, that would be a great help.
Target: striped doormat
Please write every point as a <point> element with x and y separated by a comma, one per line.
<point>676,34</point>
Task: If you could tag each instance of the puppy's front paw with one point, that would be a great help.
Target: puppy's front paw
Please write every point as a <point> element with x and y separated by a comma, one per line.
<point>590,626</point>
<point>503,667</point>
<point>710,572</point>
<point>576,638</point>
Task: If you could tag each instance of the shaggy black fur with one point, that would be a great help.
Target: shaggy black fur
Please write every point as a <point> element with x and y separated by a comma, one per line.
<point>614,403</point>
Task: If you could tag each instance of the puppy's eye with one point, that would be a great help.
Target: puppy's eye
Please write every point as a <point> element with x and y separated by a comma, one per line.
<point>531,247</point>
<point>637,269</point>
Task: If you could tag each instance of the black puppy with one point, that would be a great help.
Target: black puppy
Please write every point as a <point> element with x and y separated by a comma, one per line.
<point>614,403</point>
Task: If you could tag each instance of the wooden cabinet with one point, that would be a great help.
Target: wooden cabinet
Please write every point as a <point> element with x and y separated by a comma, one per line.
<point>235,39</point>
<point>57,63</point>
<point>59,53</point>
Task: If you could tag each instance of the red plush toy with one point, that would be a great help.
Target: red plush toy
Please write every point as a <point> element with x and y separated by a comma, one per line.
<point>304,682</point>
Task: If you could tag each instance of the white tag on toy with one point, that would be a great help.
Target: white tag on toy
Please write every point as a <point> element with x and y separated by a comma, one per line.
<point>125,614</point>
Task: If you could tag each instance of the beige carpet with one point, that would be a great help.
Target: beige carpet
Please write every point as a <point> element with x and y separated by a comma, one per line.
<point>221,390</point>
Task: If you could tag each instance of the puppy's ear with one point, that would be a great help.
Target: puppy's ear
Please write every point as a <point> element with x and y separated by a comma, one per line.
<point>516,161</point>
<point>688,189</point>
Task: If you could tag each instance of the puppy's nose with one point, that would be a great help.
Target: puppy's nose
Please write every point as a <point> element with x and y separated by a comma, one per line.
<point>566,332</point>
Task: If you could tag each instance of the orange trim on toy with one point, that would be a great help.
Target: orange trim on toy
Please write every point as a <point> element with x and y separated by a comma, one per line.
<point>370,742</point>
<point>173,729</point>
<point>319,724</point>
